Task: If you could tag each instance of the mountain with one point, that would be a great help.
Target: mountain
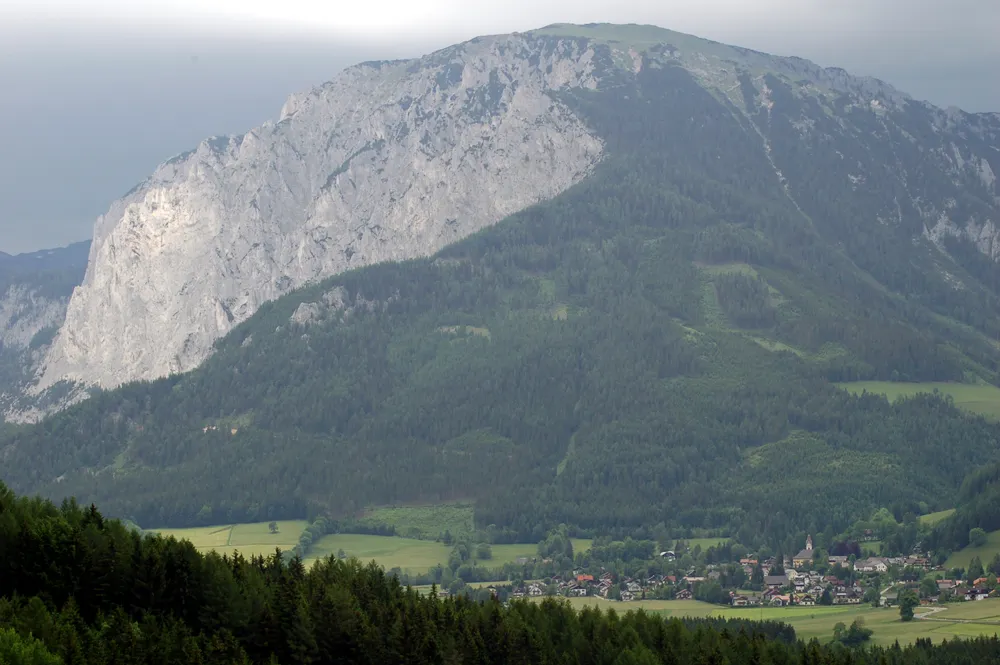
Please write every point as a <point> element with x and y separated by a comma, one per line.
<point>658,345</point>
<point>35,288</point>
<point>393,160</point>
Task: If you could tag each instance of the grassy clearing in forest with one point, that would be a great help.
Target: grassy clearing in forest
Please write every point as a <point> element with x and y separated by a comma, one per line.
<point>983,400</point>
<point>423,522</point>
<point>961,558</point>
<point>248,539</point>
<point>408,554</point>
<point>417,556</point>
<point>705,543</point>
<point>931,519</point>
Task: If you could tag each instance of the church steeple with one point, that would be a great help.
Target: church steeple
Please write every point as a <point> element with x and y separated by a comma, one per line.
<point>809,543</point>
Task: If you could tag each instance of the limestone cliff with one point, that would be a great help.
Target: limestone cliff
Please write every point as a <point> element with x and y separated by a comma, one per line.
<point>34,292</point>
<point>388,161</point>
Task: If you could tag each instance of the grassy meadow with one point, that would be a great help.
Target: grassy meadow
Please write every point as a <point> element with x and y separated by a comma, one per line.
<point>425,522</point>
<point>933,518</point>
<point>961,558</point>
<point>983,400</point>
<point>409,554</point>
<point>955,620</point>
<point>248,539</point>
<point>705,543</point>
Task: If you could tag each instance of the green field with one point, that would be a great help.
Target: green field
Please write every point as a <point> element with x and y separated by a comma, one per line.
<point>957,620</point>
<point>961,558</point>
<point>933,518</point>
<point>980,399</point>
<point>409,554</point>
<point>510,553</point>
<point>424,522</point>
<point>705,543</point>
<point>871,547</point>
<point>248,539</point>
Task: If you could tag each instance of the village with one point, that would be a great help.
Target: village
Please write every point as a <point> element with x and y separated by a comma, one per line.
<point>797,581</point>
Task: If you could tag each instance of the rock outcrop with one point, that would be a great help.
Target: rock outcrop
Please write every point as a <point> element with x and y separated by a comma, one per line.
<point>35,290</point>
<point>389,161</point>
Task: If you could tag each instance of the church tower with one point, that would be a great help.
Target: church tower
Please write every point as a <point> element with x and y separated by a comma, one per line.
<point>809,543</point>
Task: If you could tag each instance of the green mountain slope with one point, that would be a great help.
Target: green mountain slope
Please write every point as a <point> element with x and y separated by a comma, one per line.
<point>657,345</point>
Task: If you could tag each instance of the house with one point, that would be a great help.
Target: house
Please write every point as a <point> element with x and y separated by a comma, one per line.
<point>837,561</point>
<point>669,554</point>
<point>846,598</point>
<point>946,585</point>
<point>535,591</point>
<point>633,587</point>
<point>871,565</point>
<point>781,601</point>
<point>805,557</point>
<point>683,594</point>
<point>672,579</point>
<point>889,598</point>
<point>977,594</point>
<point>807,600</point>
<point>584,579</point>
<point>776,581</point>
<point>740,601</point>
<point>627,596</point>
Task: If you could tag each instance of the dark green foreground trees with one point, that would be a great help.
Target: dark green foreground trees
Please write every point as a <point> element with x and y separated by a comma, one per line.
<point>78,589</point>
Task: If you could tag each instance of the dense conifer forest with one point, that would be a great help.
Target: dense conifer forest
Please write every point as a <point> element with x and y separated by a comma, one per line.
<point>659,346</point>
<point>77,588</point>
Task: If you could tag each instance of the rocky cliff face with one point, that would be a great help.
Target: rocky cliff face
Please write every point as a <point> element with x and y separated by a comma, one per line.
<point>24,312</point>
<point>388,161</point>
<point>35,290</point>
<point>394,160</point>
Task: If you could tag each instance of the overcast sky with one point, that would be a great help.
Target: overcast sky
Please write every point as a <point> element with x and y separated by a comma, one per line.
<point>95,93</point>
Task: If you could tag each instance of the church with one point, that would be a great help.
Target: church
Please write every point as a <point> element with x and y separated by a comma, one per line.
<point>804,557</point>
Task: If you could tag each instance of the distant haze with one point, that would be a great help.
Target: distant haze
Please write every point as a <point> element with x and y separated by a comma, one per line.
<point>94,101</point>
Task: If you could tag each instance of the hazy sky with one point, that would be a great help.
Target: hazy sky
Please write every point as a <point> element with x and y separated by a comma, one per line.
<point>95,93</point>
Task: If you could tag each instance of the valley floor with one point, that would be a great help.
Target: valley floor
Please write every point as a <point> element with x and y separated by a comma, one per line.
<point>938,623</point>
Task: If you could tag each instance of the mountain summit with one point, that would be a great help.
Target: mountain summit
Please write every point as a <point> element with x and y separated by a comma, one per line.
<point>394,160</point>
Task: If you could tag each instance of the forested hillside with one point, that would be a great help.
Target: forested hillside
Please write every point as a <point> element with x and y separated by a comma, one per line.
<point>656,346</point>
<point>78,588</point>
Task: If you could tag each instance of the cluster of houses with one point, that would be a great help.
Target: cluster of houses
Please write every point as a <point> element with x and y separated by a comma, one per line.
<point>581,584</point>
<point>794,583</point>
